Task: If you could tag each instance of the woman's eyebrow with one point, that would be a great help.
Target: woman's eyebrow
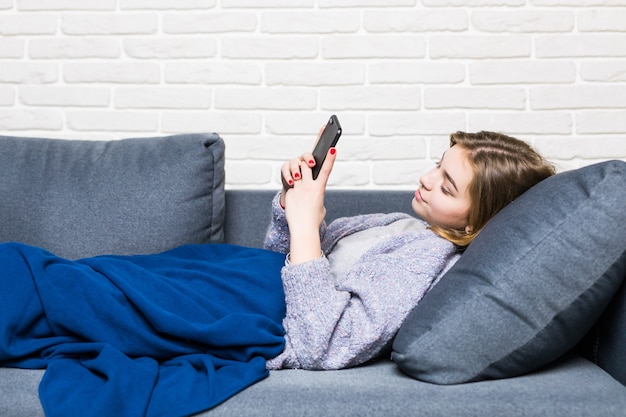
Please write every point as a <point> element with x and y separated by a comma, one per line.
<point>447,176</point>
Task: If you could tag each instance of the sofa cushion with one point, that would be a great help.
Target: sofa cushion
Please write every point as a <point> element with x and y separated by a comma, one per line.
<point>529,287</point>
<point>80,198</point>
<point>606,343</point>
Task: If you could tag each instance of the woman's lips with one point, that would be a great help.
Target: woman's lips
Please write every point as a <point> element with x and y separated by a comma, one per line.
<point>418,196</point>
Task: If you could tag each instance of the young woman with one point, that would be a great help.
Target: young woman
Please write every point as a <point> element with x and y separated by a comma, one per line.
<point>350,284</point>
<point>180,331</point>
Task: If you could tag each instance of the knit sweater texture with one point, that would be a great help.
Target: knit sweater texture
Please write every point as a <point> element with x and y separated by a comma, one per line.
<point>335,322</point>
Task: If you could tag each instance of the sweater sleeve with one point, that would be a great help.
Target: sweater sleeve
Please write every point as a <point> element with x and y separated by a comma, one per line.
<point>277,237</point>
<point>343,322</point>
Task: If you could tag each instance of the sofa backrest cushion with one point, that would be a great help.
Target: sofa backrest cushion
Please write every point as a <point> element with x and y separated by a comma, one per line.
<point>80,198</point>
<point>249,211</point>
<point>529,287</point>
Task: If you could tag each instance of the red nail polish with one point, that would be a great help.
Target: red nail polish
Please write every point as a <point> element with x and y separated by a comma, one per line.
<point>290,182</point>
<point>296,175</point>
<point>332,151</point>
<point>311,162</point>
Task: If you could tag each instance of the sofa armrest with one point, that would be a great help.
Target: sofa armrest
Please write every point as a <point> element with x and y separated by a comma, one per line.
<point>80,198</point>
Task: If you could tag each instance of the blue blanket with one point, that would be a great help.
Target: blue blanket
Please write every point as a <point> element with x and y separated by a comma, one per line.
<point>171,334</point>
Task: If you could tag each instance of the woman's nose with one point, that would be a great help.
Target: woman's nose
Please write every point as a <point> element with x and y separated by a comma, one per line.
<point>426,180</point>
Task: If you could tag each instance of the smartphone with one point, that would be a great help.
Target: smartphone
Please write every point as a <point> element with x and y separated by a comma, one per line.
<point>329,139</point>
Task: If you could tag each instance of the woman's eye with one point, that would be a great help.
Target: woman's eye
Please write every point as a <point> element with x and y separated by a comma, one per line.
<point>445,191</point>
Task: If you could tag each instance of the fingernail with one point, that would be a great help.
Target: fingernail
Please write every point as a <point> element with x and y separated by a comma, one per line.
<point>311,162</point>
<point>290,182</point>
<point>332,151</point>
<point>296,175</point>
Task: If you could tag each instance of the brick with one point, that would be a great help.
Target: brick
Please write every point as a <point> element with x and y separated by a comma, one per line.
<point>23,24</point>
<point>73,48</point>
<point>607,121</point>
<point>112,121</point>
<point>12,48</point>
<point>579,3</point>
<point>226,123</point>
<point>535,123</point>
<point>311,22</point>
<point>391,149</point>
<point>315,74</point>
<point>416,73</point>
<point>210,22</point>
<point>263,147</point>
<point>359,147</point>
<point>6,4</point>
<point>7,95</point>
<point>584,46</point>
<point>609,71</point>
<point>373,46</point>
<point>523,21</point>
<point>162,98</point>
<point>371,98</point>
<point>350,174</point>
<point>266,98</point>
<point>64,96</point>
<point>595,147</point>
<point>213,73</point>
<point>166,4</point>
<point>28,73</point>
<point>478,46</point>
<point>170,48</point>
<point>272,4</point>
<point>269,48</point>
<point>416,123</point>
<point>438,145</point>
<point>424,20</point>
<point>109,24</point>
<point>398,173</point>
<point>30,119</point>
<point>577,97</point>
<point>475,98</point>
<point>598,20</point>
<point>308,124</point>
<point>522,72</point>
<point>473,3</point>
<point>112,72</point>
<point>365,3</point>
<point>35,5</point>
<point>249,173</point>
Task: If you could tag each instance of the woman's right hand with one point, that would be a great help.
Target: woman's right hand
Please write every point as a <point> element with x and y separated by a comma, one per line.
<point>304,203</point>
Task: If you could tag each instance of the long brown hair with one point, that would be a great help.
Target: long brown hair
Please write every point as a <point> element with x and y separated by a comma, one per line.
<point>504,168</point>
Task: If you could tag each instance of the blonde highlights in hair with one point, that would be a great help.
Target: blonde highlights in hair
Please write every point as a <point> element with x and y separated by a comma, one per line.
<point>504,168</point>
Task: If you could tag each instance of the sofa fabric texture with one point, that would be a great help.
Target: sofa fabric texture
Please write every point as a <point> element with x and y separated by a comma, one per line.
<point>79,198</point>
<point>530,286</point>
<point>569,386</point>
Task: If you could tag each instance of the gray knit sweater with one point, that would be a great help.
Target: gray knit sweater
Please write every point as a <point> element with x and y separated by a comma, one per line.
<point>335,322</point>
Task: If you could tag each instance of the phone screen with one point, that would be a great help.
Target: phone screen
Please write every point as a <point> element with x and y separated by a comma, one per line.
<point>329,139</point>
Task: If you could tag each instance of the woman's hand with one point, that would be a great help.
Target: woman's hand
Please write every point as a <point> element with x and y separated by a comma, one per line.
<point>303,199</point>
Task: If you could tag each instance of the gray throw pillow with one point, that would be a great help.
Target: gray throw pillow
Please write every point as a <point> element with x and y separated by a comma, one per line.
<point>529,287</point>
<point>605,345</point>
<point>79,198</point>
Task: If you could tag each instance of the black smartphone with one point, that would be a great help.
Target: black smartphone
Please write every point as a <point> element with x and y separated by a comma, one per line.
<point>329,139</point>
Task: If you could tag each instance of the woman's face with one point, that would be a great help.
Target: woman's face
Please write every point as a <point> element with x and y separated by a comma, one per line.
<point>443,197</point>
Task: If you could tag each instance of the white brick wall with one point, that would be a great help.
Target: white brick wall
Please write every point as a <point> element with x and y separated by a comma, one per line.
<point>401,74</point>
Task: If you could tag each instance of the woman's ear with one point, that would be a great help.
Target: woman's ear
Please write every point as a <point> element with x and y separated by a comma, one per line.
<point>468,229</point>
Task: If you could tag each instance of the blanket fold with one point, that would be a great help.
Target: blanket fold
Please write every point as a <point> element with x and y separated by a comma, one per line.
<point>170,334</point>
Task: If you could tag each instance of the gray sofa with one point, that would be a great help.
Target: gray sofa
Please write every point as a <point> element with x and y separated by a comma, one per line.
<point>528,323</point>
